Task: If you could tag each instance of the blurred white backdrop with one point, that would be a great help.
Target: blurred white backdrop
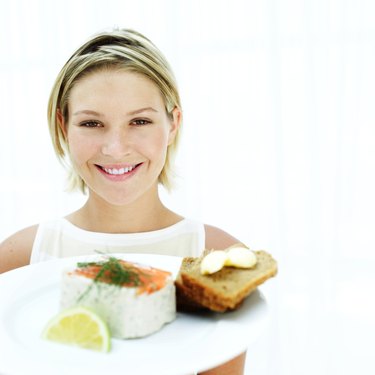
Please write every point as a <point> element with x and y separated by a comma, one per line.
<point>278,147</point>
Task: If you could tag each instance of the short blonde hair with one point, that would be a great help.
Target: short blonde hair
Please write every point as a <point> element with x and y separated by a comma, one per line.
<point>117,49</point>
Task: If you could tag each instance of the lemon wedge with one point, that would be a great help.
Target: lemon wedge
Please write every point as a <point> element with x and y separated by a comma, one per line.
<point>79,326</point>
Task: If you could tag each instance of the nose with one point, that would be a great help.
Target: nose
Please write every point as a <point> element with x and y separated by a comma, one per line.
<point>116,143</point>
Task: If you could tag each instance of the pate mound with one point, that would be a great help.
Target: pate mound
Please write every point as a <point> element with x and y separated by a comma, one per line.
<point>134,300</point>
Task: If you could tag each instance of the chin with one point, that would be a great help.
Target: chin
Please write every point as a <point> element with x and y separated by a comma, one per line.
<point>124,195</point>
<point>119,199</point>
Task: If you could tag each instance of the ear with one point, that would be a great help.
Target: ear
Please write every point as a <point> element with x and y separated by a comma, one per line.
<point>175,124</point>
<point>61,122</point>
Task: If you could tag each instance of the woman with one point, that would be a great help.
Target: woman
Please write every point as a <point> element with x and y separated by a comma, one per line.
<point>115,117</point>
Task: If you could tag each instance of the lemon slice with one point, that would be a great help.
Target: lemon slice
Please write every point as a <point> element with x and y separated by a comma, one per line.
<point>81,327</point>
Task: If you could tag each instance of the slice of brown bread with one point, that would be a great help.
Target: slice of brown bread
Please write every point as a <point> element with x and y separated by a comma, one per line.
<point>223,290</point>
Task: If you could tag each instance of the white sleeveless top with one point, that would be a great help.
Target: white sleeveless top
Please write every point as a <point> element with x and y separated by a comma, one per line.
<point>60,238</point>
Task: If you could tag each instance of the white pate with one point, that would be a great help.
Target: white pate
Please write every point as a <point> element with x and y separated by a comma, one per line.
<point>127,313</point>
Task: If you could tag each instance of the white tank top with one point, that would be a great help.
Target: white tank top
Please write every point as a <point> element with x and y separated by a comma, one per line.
<point>60,238</point>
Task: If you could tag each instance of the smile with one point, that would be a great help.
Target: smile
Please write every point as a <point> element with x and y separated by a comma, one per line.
<point>117,171</point>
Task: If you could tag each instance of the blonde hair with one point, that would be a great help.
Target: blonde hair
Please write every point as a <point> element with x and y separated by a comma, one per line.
<point>117,49</point>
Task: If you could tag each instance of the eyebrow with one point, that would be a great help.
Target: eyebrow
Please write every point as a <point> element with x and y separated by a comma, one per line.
<point>146,109</point>
<point>131,113</point>
<point>87,112</point>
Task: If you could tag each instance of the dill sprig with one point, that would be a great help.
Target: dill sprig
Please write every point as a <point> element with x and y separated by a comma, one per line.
<point>112,271</point>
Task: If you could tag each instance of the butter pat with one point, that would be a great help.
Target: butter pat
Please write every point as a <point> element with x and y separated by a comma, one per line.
<point>213,262</point>
<point>240,257</point>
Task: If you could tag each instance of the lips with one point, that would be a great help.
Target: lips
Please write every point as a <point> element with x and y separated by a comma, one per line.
<point>117,170</point>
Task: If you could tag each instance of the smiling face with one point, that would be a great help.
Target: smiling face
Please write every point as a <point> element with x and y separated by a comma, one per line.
<point>118,132</point>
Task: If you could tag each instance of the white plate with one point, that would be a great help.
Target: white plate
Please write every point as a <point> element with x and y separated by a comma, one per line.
<point>29,297</point>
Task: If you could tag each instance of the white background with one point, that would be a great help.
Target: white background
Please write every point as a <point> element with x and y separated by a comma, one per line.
<point>278,148</point>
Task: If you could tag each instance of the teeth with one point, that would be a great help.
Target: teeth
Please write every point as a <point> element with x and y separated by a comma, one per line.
<point>115,171</point>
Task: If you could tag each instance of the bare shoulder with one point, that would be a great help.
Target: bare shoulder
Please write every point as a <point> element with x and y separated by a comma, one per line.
<point>15,251</point>
<point>218,239</point>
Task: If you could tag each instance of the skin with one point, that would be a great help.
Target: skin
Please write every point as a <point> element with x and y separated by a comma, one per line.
<point>117,119</point>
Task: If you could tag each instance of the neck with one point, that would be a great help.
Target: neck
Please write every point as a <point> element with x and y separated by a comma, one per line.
<point>98,215</point>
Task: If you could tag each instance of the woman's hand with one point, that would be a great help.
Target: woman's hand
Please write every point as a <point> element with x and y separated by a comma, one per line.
<point>236,366</point>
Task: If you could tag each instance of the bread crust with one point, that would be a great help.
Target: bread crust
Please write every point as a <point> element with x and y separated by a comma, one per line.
<point>224,290</point>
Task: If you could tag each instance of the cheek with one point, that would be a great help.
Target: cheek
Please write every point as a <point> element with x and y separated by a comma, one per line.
<point>158,145</point>
<point>80,148</point>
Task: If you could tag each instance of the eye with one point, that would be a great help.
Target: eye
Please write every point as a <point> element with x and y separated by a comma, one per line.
<point>140,122</point>
<point>90,124</point>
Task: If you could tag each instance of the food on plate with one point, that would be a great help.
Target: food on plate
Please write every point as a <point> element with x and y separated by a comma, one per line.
<point>224,289</point>
<point>236,256</point>
<point>135,300</point>
<point>81,327</point>
<point>213,262</point>
<point>240,257</point>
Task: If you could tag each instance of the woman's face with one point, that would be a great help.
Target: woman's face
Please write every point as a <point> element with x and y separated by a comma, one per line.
<point>118,132</point>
